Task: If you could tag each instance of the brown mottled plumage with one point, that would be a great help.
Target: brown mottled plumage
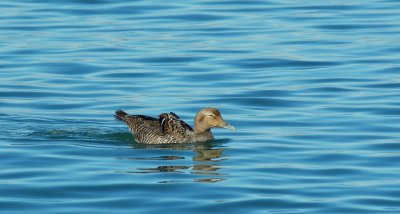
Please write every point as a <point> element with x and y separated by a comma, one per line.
<point>168,128</point>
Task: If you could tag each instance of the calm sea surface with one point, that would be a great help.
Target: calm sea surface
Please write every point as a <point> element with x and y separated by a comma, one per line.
<point>313,88</point>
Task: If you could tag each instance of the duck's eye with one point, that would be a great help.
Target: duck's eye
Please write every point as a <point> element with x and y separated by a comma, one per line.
<point>211,115</point>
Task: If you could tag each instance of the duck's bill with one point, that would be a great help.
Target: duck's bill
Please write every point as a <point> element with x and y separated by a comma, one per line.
<point>230,127</point>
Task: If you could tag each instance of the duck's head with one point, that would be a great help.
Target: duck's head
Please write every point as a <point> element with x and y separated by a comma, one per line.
<point>208,118</point>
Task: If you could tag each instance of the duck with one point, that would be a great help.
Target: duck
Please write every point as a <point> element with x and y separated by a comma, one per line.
<point>169,129</point>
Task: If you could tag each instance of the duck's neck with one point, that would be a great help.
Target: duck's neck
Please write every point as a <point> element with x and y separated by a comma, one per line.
<point>200,130</point>
<point>199,126</point>
<point>203,136</point>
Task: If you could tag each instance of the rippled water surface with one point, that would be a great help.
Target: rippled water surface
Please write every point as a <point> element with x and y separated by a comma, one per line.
<point>313,88</point>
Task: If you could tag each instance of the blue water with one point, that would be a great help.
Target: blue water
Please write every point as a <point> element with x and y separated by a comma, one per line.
<point>312,87</point>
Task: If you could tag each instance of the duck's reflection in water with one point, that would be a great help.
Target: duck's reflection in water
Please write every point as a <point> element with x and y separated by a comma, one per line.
<point>206,161</point>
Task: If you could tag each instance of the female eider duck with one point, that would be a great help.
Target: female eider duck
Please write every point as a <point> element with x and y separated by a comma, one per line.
<point>169,129</point>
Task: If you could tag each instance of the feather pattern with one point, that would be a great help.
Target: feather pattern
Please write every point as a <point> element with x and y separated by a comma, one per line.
<point>168,128</point>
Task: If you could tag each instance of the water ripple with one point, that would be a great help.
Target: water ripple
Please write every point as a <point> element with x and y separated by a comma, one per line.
<point>256,63</point>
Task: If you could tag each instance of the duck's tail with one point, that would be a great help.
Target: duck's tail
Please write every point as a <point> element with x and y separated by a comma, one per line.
<point>120,115</point>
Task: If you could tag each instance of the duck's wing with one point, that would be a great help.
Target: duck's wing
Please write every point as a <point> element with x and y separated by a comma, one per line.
<point>171,124</point>
<point>133,120</point>
<point>144,128</point>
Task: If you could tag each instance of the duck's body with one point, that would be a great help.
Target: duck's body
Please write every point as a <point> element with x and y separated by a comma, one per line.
<point>168,129</point>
